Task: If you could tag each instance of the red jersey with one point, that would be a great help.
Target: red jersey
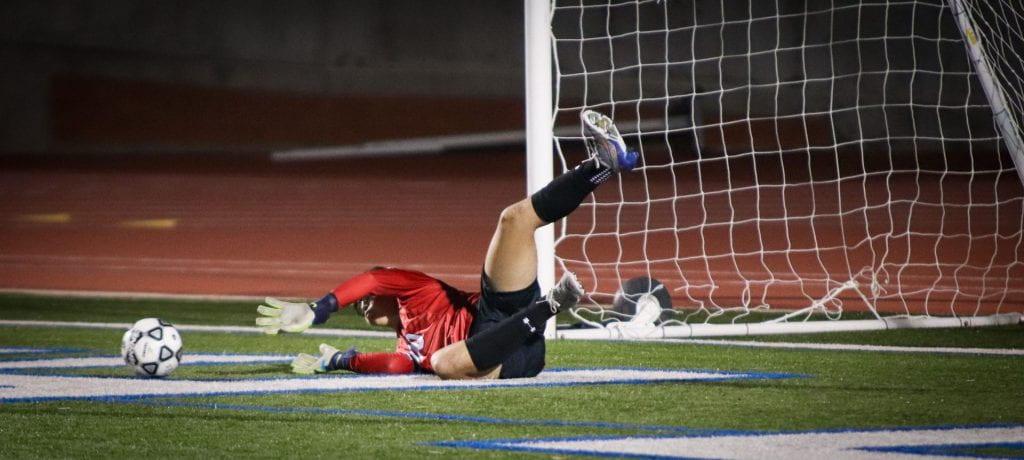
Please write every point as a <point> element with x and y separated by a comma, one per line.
<point>433,314</point>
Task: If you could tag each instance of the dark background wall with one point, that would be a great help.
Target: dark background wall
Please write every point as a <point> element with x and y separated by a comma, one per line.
<point>73,71</point>
<point>255,75</point>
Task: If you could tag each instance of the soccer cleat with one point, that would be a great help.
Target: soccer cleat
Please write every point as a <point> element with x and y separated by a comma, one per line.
<point>605,143</point>
<point>566,293</point>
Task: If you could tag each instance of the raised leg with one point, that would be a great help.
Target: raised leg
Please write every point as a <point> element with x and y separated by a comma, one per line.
<point>511,262</point>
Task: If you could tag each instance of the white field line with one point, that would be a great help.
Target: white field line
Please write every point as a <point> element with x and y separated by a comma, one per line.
<point>382,334</point>
<point>196,328</point>
<point>117,361</point>
<point>845,347</point>
<point>15,387</point>
<point>842,445</point>
<point>23,350</point>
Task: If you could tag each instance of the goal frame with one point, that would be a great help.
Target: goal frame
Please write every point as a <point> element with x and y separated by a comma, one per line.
<point>540,138</point>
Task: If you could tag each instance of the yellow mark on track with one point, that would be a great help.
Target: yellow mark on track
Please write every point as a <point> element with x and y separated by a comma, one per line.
<point>150,223</point>
<point>52,218</point>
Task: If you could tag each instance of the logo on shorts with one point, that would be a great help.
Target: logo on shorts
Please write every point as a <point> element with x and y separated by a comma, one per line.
<point>526,321</point>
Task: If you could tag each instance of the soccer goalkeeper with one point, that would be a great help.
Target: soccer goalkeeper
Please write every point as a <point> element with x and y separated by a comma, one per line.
<point>496,333</point>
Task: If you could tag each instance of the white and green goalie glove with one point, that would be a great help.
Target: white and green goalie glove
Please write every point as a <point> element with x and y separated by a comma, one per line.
<point>278,315</point>
<point>308,364</point>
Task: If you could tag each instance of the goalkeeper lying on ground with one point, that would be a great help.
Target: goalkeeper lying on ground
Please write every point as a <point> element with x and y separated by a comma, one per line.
<point>496,333</point>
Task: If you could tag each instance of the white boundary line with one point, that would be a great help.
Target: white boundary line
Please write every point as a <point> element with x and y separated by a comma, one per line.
<point>28,388</point>
<point>117,361</point>
<point>845,347</point>
<point>923,442</point>
<point>197,328</point>
<point>382,334</point>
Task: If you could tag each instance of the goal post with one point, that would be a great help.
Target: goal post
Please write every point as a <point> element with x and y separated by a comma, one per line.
<point>1007,118</point>
<point>807,166</point>
<point>540,129</point>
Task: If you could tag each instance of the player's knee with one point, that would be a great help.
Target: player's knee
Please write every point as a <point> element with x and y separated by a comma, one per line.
<point>449,364</point>
<point>442,365</point>
<point>520,214</point>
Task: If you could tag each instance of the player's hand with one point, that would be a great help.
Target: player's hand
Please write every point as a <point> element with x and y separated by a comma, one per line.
<point>278,315</point>
<point>309,364</point>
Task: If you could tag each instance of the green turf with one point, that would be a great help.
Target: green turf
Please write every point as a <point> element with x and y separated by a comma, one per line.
<point>839,389</point>
<point>235,313</point>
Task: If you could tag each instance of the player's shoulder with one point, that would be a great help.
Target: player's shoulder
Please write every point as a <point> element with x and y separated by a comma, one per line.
<point>381,269</point>
<point>402,273</point>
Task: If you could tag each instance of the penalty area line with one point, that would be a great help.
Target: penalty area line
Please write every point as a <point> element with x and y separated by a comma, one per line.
<point>845,347</point>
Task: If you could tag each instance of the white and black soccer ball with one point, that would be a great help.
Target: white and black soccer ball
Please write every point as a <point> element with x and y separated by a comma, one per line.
<point>152,347</point>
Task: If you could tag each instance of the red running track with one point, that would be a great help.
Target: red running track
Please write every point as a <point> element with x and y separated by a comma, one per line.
<point>240,225</point>
<point>243,226</point>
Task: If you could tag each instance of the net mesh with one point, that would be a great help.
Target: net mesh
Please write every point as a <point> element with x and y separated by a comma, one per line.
<point>832,153</point>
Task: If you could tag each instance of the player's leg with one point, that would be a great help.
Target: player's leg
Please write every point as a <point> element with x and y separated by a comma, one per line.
<point>510,267</point>
<point>331,359</point>
<point>482,355</point>
<point>511,262</point>
<point>455,363</point>
<point>510,271</point>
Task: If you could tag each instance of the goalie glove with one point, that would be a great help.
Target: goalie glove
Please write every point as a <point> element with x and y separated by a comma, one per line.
<point>278,315</point>
<point>330,359</point>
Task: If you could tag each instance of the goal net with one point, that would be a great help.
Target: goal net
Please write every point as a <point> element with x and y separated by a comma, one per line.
<point>801,160</point>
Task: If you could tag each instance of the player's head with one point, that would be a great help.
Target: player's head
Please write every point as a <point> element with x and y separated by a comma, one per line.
<point>378,310</point>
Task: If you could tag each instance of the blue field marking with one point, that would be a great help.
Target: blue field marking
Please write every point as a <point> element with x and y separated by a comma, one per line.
<point>35,351</point>
<point>428,416</point>
<point>137,397</point>
<point>53,371</point>
<point>497,445</point>
<point>951,449</point>
<point>738,375</point>
<point>498,384</point>
<point>51,379</point>
<point>522,444</point>
<point>954,450</point>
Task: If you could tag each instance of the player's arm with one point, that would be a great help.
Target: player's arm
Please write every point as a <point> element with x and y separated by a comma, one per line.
<point>278,315</point>
<point>379,282</point>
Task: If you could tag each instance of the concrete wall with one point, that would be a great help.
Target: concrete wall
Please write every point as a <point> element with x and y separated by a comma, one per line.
<point>317,57</point>
<point>397,47</point>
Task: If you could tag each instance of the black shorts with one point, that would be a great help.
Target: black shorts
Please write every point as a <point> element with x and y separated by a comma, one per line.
<point>494,307</point>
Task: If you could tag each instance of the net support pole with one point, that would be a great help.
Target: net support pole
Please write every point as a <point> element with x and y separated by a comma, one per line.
<point>539,126</point>
<point>1006,124</point>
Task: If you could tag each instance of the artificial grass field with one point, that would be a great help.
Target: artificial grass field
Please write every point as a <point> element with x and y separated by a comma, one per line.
<point>834,390</point>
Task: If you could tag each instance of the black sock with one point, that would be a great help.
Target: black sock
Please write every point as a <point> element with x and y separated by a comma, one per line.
<point>565,193</point>
<point>492,346</point>
<point>323,308</point>
<point>342,360</point>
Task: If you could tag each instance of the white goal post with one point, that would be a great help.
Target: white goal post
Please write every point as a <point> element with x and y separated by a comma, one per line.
<point>807,166</point>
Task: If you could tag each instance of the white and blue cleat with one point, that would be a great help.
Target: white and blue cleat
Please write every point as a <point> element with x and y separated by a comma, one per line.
<point>606,144</point>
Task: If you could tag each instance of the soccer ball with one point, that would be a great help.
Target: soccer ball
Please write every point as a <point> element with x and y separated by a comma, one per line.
<point>152,347</point>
